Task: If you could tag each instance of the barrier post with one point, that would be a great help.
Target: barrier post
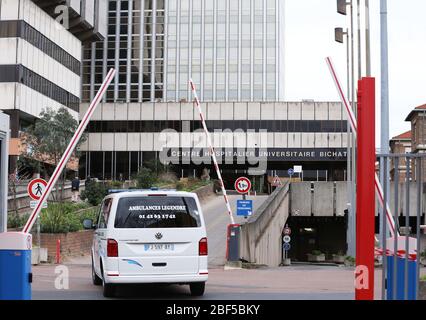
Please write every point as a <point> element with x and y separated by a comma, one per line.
<point>365,202</point>
<point>58,251</point>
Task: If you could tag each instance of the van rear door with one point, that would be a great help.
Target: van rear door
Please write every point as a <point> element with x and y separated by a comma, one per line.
<point>158,235</point>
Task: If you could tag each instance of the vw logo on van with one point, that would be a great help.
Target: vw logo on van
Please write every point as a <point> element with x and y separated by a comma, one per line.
<point>158,235</point>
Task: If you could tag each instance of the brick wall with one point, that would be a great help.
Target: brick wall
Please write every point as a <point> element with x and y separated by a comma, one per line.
<point>72,243</point>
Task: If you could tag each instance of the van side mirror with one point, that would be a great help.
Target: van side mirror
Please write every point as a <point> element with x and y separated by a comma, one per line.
<point>88,224</point>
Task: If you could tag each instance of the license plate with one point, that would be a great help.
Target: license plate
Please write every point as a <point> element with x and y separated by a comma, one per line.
<point>160,247</point>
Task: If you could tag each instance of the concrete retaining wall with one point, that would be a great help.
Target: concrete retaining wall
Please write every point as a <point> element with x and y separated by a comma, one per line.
<point>402,201</point>
<point>261,240</point>
<point>301,204</point>
<point>318,199</point>
<point>205,192</point>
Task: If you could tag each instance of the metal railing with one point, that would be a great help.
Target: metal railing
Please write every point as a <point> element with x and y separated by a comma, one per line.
<point>400,254</point>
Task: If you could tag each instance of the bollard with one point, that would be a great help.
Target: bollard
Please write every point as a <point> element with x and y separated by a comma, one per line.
<point>233,243</point>
<point>15,266</point>
<point>58,251</point>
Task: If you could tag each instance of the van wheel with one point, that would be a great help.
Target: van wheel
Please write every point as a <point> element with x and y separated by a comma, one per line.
<point>95,279</point>
<point>107,288</point>
<point>197,288</point>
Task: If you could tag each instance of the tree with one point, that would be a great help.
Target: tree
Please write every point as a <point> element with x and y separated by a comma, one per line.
<point>48,138</point>
<point>145,178</point>
<point>94,192</point>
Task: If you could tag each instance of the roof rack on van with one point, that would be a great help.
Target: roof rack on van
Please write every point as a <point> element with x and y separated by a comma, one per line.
<point>135,190</point>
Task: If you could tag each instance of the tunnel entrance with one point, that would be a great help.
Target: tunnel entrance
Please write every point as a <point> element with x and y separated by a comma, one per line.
<point>314,235</point>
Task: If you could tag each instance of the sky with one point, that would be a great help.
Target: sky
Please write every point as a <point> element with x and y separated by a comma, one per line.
<point>310,39</point>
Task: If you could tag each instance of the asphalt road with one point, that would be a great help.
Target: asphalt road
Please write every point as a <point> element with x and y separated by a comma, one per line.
<point>290,283</point>
<point>217,220</point>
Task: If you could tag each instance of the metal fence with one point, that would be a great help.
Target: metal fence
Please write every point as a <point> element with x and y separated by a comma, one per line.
<point>401,254</point>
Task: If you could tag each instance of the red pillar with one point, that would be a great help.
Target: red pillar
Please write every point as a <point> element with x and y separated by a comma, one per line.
<point>365,193</point>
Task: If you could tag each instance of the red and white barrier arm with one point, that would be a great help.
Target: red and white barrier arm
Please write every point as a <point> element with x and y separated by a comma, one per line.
<point>212,152</point>
<point>353,123</point>
<point>69,150</point>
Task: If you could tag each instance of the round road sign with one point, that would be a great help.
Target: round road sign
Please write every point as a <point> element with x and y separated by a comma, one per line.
<point>36,188</point>
<point>287,231</point>
<point>286,239</point>
<point>243,185</point>
<point>286,246</point>
<point>290,172</point>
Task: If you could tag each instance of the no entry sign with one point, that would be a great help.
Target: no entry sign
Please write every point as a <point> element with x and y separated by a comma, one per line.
<point>243,185</point>
<point>36,188</point>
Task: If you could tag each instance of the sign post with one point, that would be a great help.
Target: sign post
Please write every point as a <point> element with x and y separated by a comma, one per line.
<point>243,186</point>
<point>299,170</point>
<point>286,245</point>
<point>244,208</point>
<point>35,190</point>
<point>290,173</point>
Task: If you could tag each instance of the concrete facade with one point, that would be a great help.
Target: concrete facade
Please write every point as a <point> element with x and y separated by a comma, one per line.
<point>292,132</point>
<point>40,64</point>
<point>233,50</point>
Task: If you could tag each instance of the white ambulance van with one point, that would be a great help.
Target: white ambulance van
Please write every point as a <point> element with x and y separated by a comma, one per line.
<point>145,236</point>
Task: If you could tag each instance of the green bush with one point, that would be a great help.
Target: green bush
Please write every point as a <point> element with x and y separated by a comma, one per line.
<point>54,219</point>
<point>91,214</point>
<point>145,179</point>
<point>180,186</point>
<point>116,184</point>
<point>94,192</point>
<point>350,260</point>
<point>65,217</point>
<point>15,221</point>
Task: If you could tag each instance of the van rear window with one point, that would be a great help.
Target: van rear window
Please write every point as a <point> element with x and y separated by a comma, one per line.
<point>157,212</point>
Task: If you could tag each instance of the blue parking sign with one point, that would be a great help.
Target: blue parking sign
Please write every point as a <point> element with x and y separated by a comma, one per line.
<point>244,208</point>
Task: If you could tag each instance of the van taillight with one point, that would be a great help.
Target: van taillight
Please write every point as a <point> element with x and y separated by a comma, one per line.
<point>202,247</point>
<point>112,248</point>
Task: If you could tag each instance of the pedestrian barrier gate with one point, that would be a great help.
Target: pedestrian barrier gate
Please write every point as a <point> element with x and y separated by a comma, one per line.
<point>401,255</point>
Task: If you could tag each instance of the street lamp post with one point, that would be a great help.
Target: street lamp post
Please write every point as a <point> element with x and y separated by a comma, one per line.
<point>384,137</point>
<point>367,38</point>
<point>358,14</point>
<point>342,9</point>
<point>339,37</point>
